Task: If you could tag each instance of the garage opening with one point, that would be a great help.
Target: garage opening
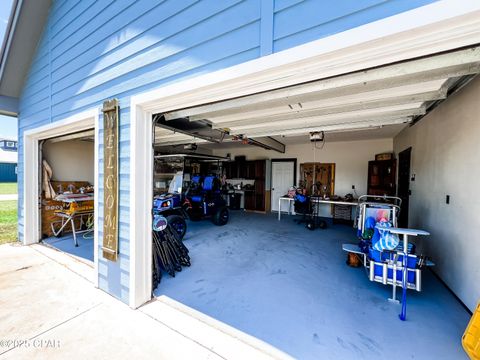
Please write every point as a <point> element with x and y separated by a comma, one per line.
<point>67,168</point>
<point>298,172</point>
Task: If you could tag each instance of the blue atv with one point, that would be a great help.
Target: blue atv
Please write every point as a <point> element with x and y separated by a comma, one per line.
<point>203,199</point>
<point>170,206</point>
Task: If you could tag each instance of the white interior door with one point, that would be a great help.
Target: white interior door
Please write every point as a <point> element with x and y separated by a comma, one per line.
<point>282,179</point>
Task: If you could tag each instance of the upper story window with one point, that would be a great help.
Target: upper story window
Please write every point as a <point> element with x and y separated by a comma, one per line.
<point>8,145</point>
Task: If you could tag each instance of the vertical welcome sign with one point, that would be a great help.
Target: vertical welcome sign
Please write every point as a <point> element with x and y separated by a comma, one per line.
<point>110,179</point>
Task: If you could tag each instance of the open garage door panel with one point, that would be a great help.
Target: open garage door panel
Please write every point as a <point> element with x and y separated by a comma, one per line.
<point>390,95</point>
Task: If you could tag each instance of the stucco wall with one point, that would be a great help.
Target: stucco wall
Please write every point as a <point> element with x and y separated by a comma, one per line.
<point>72,160</point>
<point>445,150</point>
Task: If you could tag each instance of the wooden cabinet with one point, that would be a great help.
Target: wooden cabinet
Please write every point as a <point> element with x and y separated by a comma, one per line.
<point>381,177</point>
<point>255,198</point>
<point>260,167</point>
<point>227,169</point>
<point>251,170</point>
<point>250,200</point>
<point>241,169</point>
<point>231,170</point>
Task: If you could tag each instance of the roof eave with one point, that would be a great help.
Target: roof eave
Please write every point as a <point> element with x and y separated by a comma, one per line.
<point>7,39</point>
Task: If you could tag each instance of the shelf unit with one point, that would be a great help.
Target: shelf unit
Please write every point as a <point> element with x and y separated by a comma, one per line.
<point>255,199</point>
<point>381,177</point>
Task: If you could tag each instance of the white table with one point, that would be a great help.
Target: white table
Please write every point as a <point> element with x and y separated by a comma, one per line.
<point>317,200</point>
<point>313,200</point>
<point>290,202</point>
<point>333,202</point>
<point>73,198</point>
<point>406,233</point>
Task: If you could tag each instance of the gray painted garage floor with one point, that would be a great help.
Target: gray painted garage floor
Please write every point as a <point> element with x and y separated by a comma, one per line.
<point>84,250</point>
<point>291,288</point>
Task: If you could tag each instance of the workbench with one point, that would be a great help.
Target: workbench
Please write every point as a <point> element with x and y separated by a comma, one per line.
<point>75,206</point>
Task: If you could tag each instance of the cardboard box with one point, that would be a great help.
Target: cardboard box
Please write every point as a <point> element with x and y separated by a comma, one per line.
<point>384,156</point>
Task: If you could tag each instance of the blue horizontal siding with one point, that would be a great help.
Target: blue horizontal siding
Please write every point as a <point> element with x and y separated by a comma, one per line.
<point>39,116</point>
<point>41,85</point>
<point>133,38</point>
<point>95,50</point>
<point>38,73</point>
<point>86,52</point>
<point>65,27</point>
<point>319,19</point>
<point>152,46</point>
<point>38,93</point>
<point>113,281</point>
<point>280,5</point>
<point>66,10</point>
<point>58,4</point>
<point>98,26</point>
<point>124,244</point>
<point>124,200</point>
<point>137,76</point>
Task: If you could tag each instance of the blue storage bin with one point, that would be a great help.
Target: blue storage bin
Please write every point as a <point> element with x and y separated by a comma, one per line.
<point>378,271</point>
<point>410,275</point>
<point>379,256</point>
<point>411,264</point>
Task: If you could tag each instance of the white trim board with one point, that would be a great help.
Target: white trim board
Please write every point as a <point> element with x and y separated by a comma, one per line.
<point>141,196</point>
<point>438,27</point>
<point>31,192</point>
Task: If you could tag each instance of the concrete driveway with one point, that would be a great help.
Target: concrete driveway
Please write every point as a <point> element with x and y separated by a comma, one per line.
<point>49,308</point>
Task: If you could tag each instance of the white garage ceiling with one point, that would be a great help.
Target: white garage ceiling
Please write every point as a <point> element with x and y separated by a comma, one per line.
<point>387,96</point>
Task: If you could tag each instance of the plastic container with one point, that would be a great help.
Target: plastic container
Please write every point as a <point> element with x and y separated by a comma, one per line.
<point>471,337</point>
